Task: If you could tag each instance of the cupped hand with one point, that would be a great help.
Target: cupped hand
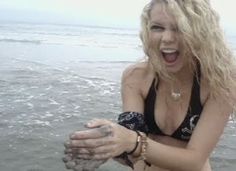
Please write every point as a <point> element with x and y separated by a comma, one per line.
<point>77,164</point>
<point>102,140</point>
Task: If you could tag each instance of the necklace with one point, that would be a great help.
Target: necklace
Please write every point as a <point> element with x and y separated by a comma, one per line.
<point>176,96</point>
<point>175,93</point>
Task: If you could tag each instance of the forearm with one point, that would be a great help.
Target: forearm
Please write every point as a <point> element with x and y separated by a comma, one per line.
<point>168,157</point>
<point>173,158</point>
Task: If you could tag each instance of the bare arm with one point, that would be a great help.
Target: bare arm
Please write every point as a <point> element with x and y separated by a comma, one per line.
<point>131,93</point>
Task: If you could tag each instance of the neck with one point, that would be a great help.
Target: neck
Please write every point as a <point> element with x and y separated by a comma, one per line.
<point>182,77</point>
<point>179,83</point>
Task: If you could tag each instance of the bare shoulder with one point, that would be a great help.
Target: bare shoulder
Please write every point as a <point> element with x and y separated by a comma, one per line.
<point>138,76</point>
<point>134,86</point>
<point>135,71</point>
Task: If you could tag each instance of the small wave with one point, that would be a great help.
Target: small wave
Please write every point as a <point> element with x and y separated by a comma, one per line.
<point>38,122</point>
<point>53,102</point>
<point>107,62</point>
<point>122,34</point>
<point>21,41</point>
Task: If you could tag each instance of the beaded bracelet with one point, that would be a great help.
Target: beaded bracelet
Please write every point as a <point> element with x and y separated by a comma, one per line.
<point>144,144</point>
<point>136,145</point>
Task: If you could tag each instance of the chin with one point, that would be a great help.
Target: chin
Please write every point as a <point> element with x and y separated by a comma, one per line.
<point>174,69</point>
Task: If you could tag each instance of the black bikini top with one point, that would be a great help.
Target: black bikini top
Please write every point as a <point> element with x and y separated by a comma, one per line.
<point>184,131</point>
<point>146,122</point>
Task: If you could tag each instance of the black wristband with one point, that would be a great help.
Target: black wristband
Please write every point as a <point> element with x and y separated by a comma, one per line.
<point>136,145</point>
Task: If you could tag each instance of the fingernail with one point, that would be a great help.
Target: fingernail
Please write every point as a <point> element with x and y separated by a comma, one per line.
<point>66,158</point>
<point>72,136</point>
<point>89,124</point>
<point>67,144</point>
<point>70,165</point>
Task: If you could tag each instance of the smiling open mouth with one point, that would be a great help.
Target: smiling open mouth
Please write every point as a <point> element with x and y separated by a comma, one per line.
<point>170,56</point>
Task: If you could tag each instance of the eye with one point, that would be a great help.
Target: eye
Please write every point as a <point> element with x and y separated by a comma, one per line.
<point>175,29</point>
<point>157,28</point>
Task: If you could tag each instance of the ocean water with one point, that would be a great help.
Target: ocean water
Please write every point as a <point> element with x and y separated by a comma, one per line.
<point>54,78</point>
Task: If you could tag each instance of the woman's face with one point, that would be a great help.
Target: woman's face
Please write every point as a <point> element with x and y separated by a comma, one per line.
<point>165,37</point>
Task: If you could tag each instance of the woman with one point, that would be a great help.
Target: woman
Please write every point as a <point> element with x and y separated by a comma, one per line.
<point>179,99</point>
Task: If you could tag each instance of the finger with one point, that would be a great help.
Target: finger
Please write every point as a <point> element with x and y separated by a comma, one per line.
<point>78,168</point>
<point>90,143</point>
<point>81,162</point>
<point>82,166</point>
<point>97,123</point>
<point>97,150</point>
<point>67,144</point>
<point>74,151</point>
<point>91,165</point>
<point>101,156</point>
<point>98,132</point>
<point>71,151</point>
<point>70,165</point>
<point>67,158</point>
<point>68,151</point>
<point>88,164</point>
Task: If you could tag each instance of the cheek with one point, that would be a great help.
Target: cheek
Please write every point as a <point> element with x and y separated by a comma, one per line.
<point>155,40</point>
<point>155,36</point>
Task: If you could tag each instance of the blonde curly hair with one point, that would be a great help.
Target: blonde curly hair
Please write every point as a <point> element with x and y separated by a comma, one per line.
<point>203,38</point>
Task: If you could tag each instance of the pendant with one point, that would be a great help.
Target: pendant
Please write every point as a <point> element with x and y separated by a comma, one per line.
<point>175,96</point>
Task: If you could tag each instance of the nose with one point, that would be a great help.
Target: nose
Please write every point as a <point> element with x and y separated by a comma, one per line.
<point>168,36</point>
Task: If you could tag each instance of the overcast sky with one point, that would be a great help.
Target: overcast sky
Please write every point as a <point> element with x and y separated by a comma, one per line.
<point>121,13</point>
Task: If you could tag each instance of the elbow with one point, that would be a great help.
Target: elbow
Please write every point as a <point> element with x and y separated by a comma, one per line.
<point>196,163</point>
<point>195,167</point>
<point>190,160</point>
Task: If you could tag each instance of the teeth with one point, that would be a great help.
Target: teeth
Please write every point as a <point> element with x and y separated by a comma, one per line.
<point>169,50</point>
